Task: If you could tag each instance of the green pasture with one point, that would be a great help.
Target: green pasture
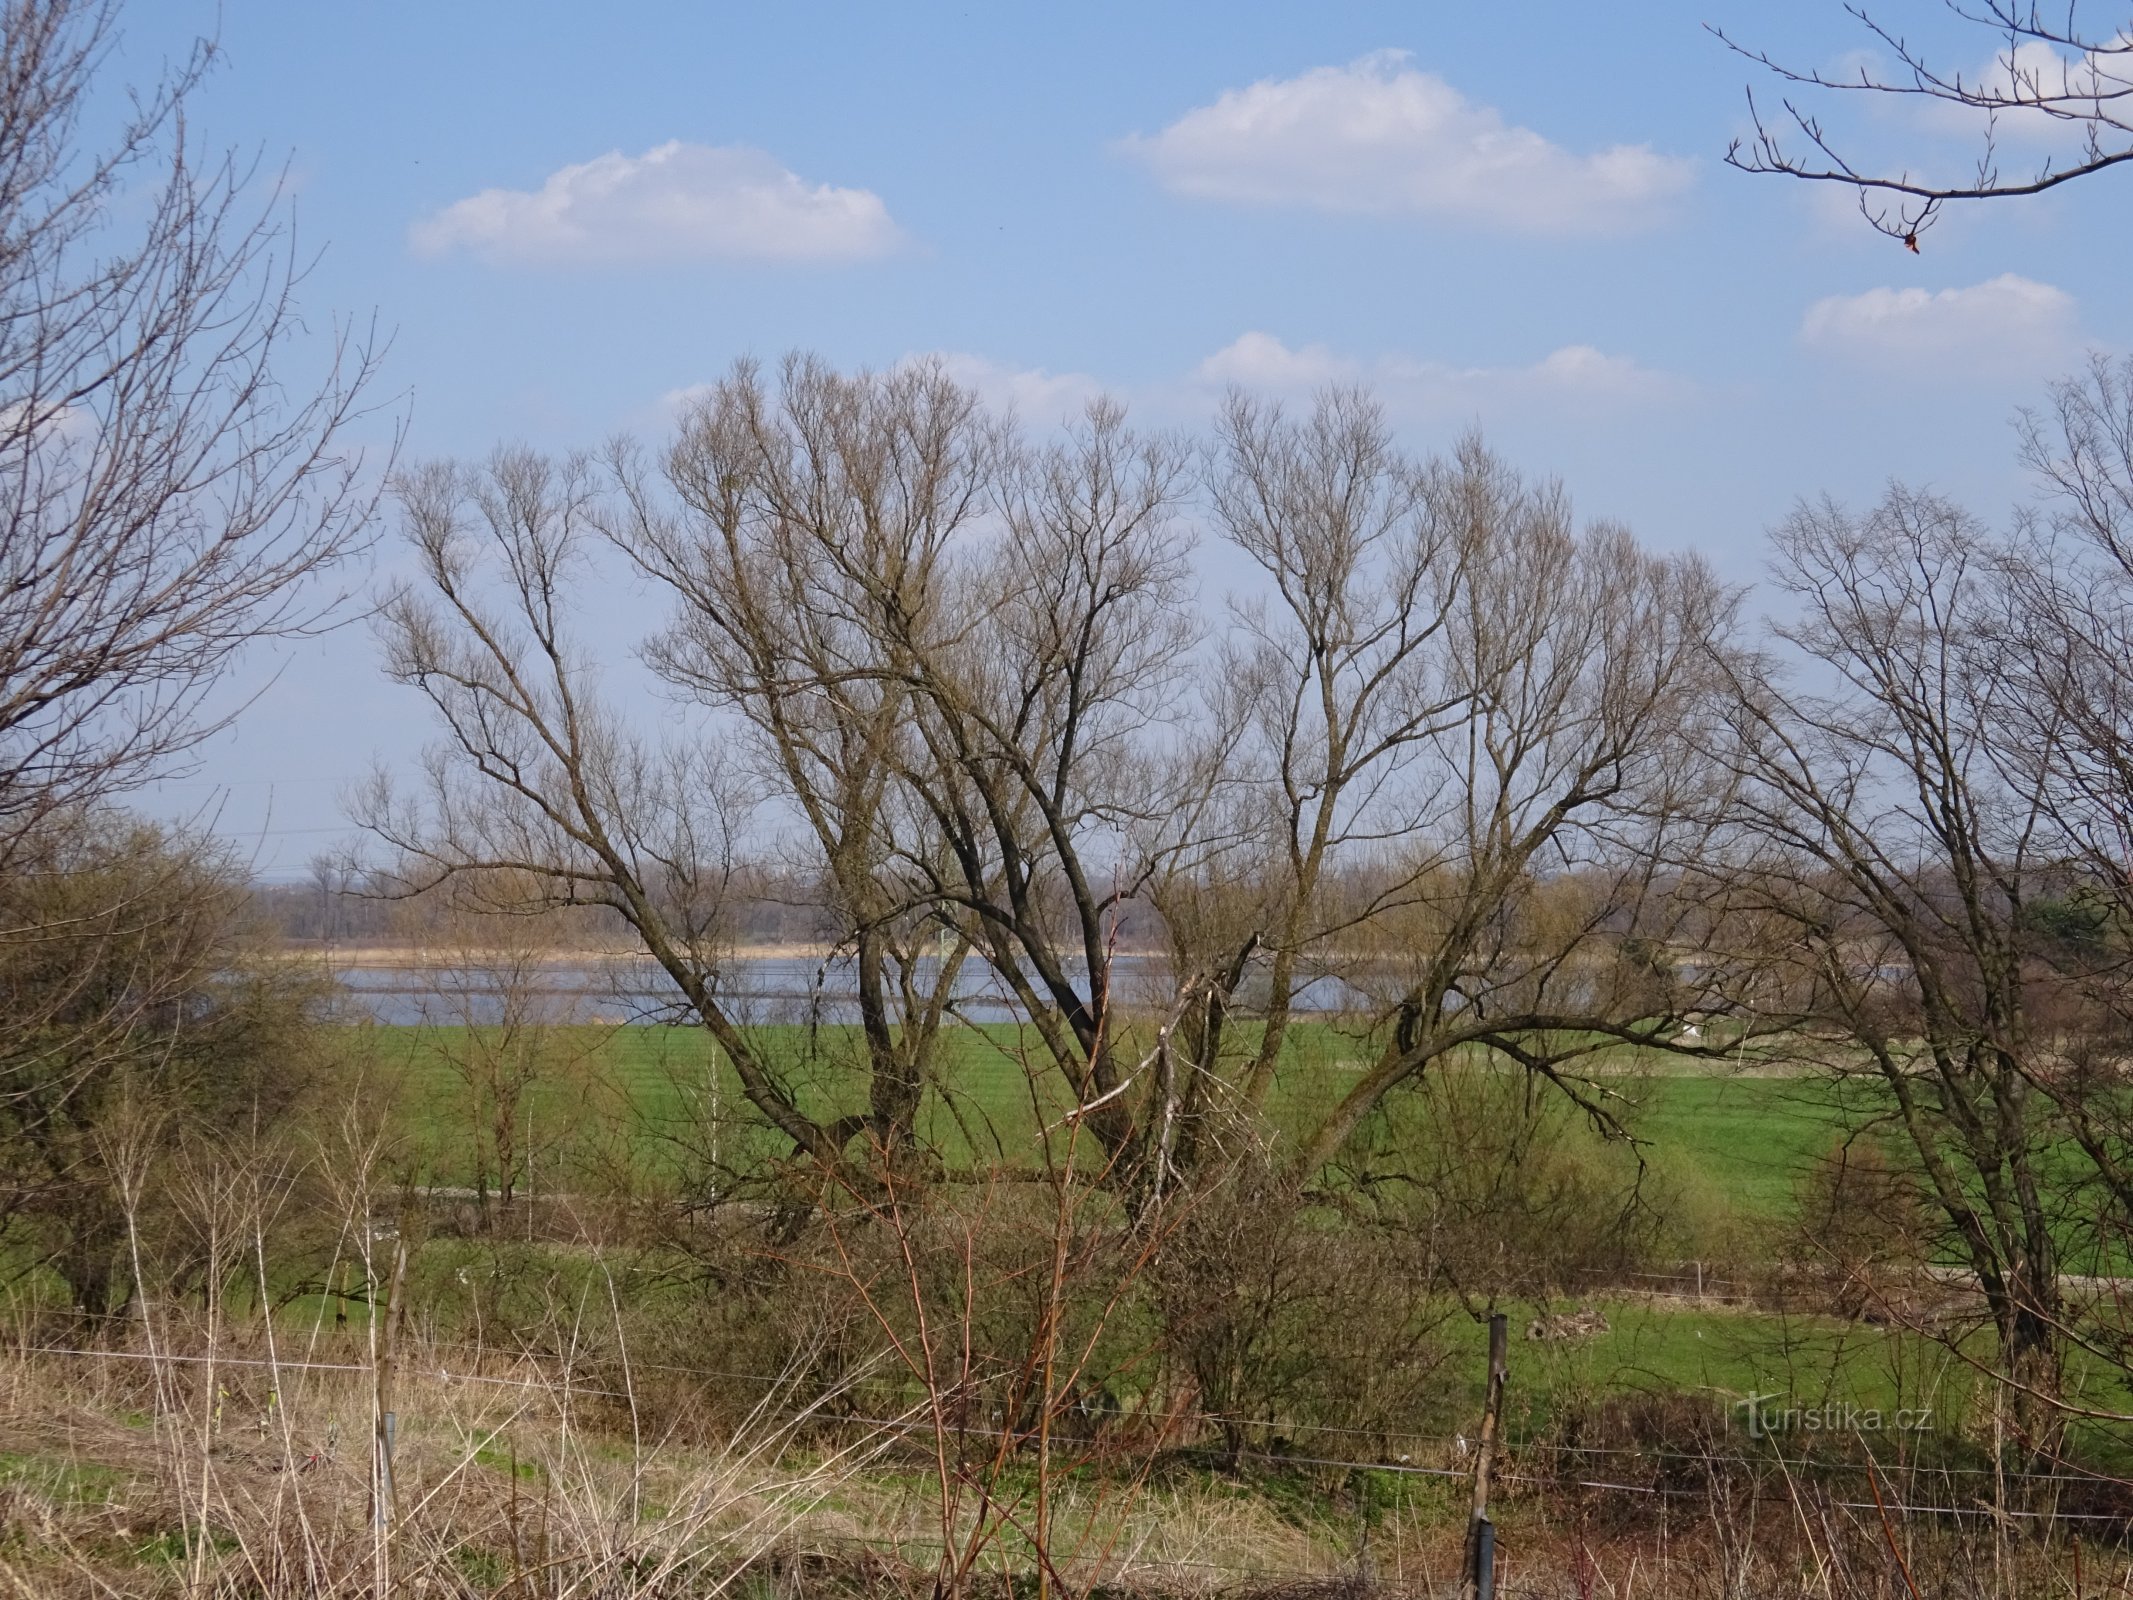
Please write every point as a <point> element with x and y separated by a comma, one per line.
<point>1738,1141</point>
<point>1746,1138</point>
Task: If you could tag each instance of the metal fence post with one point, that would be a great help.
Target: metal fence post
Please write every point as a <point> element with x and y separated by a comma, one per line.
<point>1478,1579</point>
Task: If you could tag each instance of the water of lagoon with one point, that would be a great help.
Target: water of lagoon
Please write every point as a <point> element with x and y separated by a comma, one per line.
<point>754,989</point>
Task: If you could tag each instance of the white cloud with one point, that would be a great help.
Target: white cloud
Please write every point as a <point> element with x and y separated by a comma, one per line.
<point>29,421</point>
<point>1261,361</point>
<point>1034,394</point>
<point>676,202</point>
<point>675,401</point>
<point>1573,375</point>
<point>2004,321</point>
<point>2016,79</point>
<point>1379,136</point>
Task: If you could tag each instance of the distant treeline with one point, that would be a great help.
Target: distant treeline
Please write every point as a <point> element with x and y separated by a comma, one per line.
<point>338,906</point>
<point>768,905</point>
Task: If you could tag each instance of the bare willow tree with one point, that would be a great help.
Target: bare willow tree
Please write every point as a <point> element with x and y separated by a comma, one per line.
<point>807,534</point>
<point>1903,856</point>
<point>539,796</point>
<point>1054,750</point>
<point>958,654</point>
<point>1430,774</point>
<point>1462,749</point>
<point>2056,78</point>
<point>1332,683</point>
<point>170,477</point>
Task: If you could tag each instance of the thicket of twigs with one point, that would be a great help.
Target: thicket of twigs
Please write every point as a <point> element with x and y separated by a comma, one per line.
<point>906,1386</point>
<point>1526,799</point>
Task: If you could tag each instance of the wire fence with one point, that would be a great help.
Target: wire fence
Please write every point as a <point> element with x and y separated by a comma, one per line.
<point>564,1379</point>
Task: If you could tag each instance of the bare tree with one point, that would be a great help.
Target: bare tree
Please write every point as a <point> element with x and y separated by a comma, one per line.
<point>804,533</point>
<point>1464,755</point>
<point>2066,632</point>
<point>168,479</point>
<point>538,787</point>
<point>1900,853</point>
<point>1336,687</point>
<point>508,1023</point>
<point>1051,747</point>
<point>2051,73</point>
<point>956,652</point>
<point>1437,760</point>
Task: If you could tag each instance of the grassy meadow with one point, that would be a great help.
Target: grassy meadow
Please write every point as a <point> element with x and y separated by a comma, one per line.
<point>1732,1149</point>
<point>748,1462</point>
<point>1726,1153</point>
<point>1749,1137</point>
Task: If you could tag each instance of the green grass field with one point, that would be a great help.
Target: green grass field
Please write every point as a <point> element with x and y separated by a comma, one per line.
<point>1753,1138</point>
<point>1736,1143</point>
<point>1746,1138</point>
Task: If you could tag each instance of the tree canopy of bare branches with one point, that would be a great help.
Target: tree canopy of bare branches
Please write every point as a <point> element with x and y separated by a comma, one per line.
<point>2056,79</point>
<point>965,679</point>
<point>1887,837</point>
<point>169,481</point>
<point>1926,834</point>
<point>1465,749</point>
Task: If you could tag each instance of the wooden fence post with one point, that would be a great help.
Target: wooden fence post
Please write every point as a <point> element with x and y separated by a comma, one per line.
<point>383,1494</point>
<point>1478,1580</point>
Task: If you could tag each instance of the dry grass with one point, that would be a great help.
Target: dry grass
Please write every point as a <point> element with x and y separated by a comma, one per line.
<point>125,1476</point>
<point>152,1477</point>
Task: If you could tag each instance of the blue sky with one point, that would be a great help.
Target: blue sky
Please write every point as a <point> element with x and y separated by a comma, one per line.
<point>1511,215</point>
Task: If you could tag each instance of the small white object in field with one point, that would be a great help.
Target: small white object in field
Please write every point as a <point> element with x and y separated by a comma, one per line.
<point>1690,1034</point>
<point>1582,1324</point>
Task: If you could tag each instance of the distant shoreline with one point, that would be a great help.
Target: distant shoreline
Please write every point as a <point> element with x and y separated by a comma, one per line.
<point>370,957</point>
<point>413,957</point>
